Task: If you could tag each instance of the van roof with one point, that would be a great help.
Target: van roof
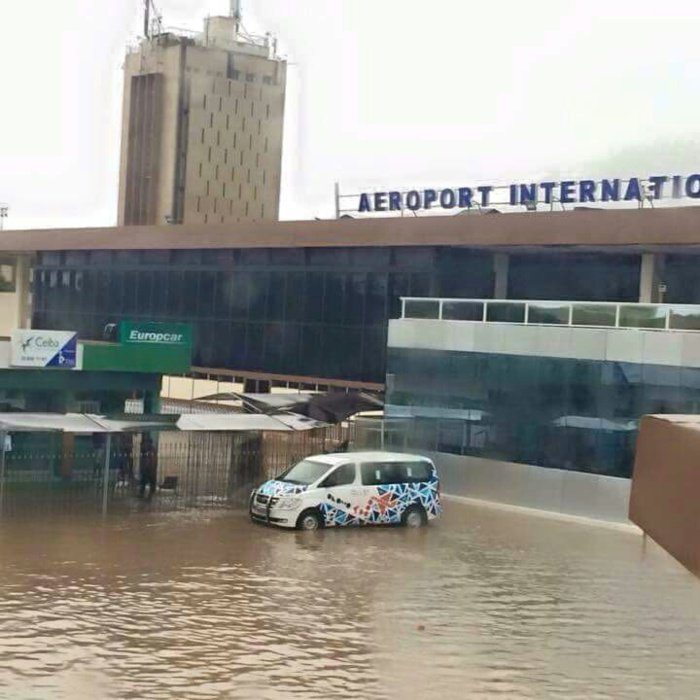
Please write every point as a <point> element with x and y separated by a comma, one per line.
<point>367,456</point>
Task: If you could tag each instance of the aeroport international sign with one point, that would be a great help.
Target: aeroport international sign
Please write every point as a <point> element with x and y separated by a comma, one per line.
<point>529,195</point>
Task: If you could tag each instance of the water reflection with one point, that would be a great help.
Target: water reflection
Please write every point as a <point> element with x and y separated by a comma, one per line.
<point>206,605</point>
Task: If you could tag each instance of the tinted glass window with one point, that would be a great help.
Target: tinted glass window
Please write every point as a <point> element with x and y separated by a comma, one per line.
<point>305,472</point>
<point>342,476</point>
<point>415,472</point>
<point>378,473</point>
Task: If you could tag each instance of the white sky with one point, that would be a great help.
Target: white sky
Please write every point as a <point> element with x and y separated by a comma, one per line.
<point>387,93</point>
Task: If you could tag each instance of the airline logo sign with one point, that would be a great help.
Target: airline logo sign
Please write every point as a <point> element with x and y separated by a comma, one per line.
<point>36,348</point>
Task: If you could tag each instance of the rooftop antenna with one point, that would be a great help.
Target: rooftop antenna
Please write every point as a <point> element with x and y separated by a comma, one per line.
<point>236,14</point>
<point>157,23</point>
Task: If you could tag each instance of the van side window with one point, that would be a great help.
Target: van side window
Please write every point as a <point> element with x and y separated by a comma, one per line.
<point>417,472</point>
<point>378,473</point>
<point>342,476</point>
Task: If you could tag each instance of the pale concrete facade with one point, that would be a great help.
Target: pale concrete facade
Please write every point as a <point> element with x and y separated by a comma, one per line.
<point>202,129</point>
<point>15,294</point>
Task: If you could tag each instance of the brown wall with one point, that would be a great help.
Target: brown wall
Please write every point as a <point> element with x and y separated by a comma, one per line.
<point>639,227</point>
<point>665,499</point>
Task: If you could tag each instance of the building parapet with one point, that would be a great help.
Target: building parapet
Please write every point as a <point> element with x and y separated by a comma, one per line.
<point>594,314</point>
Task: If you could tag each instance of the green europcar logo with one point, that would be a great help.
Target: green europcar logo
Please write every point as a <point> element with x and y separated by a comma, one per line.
<point>155,333</point>
<point>137,336</point>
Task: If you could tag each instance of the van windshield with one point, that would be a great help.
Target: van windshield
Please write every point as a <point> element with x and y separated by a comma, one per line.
<point>305,472</point>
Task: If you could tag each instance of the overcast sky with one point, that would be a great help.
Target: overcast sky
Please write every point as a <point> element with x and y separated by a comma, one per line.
<point>384,93</point>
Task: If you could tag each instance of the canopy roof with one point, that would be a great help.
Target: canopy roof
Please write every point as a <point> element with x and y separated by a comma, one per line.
<point>84,423</point>
<point>330,407</point>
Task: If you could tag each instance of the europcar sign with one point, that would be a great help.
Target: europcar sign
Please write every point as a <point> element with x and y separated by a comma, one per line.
<point>151,333</point>
<point>37,348</point>
<point>532,193</point>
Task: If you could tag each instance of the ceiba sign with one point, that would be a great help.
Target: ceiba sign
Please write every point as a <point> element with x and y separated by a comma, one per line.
<point>566,192</point>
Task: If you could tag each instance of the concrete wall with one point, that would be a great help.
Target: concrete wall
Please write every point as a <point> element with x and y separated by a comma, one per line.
<point>9,318</point>
<point>666,485</point>
<point>553,490</point>
<point>673,348</point>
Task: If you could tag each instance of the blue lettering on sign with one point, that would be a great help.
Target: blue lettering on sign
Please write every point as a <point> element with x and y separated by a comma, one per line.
<point>692,186</point>
<point>513,194</point>
<point>485,192</point>
<point>677,186</point>
<point>526,194</point>
<point>611,190</point>
<point>448,199</point>
<point>413,200</point>
<point>633,190</point>
<point>465,197</point>
<point>429,196</point>
<point>548,188</point>
<point>586,191</point>
<point>657,185</point>
<point>567,192</point>
<point>380,201</point>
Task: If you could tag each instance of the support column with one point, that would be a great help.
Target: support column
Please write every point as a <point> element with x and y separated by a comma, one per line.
<point>501,264</point>
<point>23,292</point>
<point>651,275</point>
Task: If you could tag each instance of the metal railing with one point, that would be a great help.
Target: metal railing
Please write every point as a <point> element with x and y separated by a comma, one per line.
<point>591,314</point>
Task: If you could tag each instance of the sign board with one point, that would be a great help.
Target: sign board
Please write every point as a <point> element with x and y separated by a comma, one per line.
<point>530,194</point>
<point>37,348</point>
<point>152,333</point>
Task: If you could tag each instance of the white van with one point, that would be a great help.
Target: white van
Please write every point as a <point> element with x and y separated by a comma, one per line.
<point>353,488</point>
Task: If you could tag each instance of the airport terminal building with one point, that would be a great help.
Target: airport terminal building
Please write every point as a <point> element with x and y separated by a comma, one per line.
<point>313,298</point>
<point>311,303</point>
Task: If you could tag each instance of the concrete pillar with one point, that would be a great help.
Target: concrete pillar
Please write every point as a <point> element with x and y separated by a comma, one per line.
<point>500,274</point>
<point>23,292</point>
<point>651,276</point>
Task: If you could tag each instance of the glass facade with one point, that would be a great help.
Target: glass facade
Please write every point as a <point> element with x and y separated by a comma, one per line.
<point>563,413</point>
<point>322,312</point>
<point>574,276</point>
<point>318,312</point>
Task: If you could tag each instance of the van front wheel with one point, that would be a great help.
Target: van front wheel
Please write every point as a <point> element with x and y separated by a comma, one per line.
<point>414,516</point>
<point>309,520</point>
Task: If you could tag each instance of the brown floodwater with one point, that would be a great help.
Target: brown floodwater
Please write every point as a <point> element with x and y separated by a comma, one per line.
<point>485,603</point>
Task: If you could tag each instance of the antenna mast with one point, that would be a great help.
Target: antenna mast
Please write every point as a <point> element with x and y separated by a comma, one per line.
<point>147,18</point>
<point>236,13</point>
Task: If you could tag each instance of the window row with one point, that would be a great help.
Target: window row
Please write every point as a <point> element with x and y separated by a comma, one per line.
<point>353,298</point>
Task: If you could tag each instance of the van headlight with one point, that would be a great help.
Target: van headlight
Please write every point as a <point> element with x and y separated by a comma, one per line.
<point>289,502</point>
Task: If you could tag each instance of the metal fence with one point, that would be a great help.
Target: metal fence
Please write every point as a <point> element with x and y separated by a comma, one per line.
<point>189,470</point>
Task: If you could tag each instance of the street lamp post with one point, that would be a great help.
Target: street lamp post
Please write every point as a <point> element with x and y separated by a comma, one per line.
<point>3,214</point>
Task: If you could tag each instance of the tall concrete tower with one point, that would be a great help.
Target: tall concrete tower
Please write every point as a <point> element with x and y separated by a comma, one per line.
<point>202,126</point>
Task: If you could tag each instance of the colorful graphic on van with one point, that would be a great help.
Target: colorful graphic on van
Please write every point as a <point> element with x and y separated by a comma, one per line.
<point>385,507</point>
<point>281,488</point>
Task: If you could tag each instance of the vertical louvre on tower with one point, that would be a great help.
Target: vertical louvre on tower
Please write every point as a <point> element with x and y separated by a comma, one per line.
<point>142,173</point>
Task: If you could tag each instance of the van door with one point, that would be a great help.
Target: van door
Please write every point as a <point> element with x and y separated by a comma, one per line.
<point>340,496</point>
<point>383,486</point>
